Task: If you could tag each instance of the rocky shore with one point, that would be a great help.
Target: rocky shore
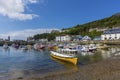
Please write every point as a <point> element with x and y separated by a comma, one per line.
<point>104,70</point>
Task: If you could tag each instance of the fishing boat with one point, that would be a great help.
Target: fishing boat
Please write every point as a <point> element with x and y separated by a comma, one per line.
<point>52,46</point>
<point>23,47</point>
<point>65,55</point>
<point>39,46</point>
<point>65,64</point>
<point>92,47</point>
<point>5,46</point>
<point>35,46</point>
<point>27,47</point>
<point>16,46</point>
<point>60,46</point>
<point>85,48</point>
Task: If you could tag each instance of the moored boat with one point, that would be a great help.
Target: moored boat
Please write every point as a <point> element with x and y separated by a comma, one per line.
<point>27,47</point>
<point>65,55</point>
<point>39,46</point>
<point>85,49</point>
<point>16,46</point>
<point>65,64</point>
<point>92,47</point>
<point>5,46</point>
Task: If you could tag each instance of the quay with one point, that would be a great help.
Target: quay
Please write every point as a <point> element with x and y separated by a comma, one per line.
<point>108,42</point>
<point>111,42</point>
<point>18,42</point>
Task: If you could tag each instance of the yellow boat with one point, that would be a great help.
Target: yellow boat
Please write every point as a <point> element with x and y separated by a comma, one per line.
<point>65,63</point>
<point>68,57</point>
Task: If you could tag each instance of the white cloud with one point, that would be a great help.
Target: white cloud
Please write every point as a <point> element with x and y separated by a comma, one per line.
<point>25,33</point>
<point>15,9</point>
<point>33,1</point>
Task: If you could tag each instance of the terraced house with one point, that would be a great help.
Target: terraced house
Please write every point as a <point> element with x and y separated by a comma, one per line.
<point>111,34</point>
<point>63,38</point>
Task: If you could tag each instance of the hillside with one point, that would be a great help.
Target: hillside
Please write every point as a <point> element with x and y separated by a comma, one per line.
<point>109,22</point>
<point>112,21</point>
<point>92,29</point>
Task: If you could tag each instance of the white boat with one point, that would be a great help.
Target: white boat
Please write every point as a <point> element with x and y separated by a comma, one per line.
<point>65,55</point>
<point>23,48</point>
<point>38,46</point>
<point>60,46</point>
<point>85,49</point>
<point>35,46</point>
<point>5,46</point>
<point>92,47</point>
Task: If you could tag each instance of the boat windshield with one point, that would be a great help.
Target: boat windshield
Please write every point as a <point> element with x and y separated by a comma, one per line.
<point>68,51</point>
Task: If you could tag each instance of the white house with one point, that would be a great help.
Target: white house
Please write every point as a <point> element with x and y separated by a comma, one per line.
<point>43,40</point>
<point>111,34</point>
<point>63,38</point>
<point>30,39</point>
<point>86,38</point>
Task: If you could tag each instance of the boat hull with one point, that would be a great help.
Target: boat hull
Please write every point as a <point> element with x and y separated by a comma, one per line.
<point>71,60</point>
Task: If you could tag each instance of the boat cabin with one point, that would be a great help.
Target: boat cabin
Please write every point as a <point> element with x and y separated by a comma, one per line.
<point>68,51</point>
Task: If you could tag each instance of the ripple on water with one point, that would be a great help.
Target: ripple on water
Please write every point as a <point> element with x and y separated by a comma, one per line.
<point>18,63</point>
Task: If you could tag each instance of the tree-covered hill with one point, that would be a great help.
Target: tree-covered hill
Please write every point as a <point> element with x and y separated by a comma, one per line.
<point>84,29</point>
<point>109,22</point>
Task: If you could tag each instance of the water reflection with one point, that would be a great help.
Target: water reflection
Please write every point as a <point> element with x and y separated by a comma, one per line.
<point>108,53</point>
<point>65,64</point>
<point>7,50</point>
<point>18,62</point>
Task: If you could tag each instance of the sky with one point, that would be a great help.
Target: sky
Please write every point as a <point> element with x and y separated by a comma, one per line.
<point>22,18</point>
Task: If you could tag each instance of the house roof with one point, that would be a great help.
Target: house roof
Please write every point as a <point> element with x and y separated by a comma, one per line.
<point>79,36</point>
<point>112,31</point>
<point>86,38</point>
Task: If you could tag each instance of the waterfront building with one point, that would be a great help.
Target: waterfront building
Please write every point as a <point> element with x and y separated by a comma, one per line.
<point>20,41</point>
<point>77,38</point>
<point>8,38</point>
<point>43,40</point>
<point>97,38</point>
<point>30,39</point>
<point>86,38</point>
<point>1,39</point>
<point>63,38</point>
<point>111,34</point>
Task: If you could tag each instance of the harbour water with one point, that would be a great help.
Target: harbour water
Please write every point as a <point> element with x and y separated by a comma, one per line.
<point>16,63</point>
<point>16,60</point>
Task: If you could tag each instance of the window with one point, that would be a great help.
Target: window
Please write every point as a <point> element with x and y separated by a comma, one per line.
<point>105,38</point>
<point>110,38</point>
